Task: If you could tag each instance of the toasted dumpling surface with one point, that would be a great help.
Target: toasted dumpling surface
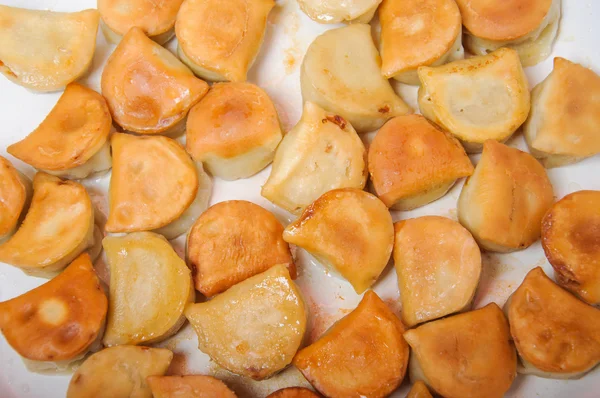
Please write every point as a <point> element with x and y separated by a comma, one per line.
<point>150,285</point>
<point>480,98</point>
<point>293,392</point>
<point>60,319</point>
<point>232,241</point>
<point>438,265</point>
<point>416,33</point>
<point>419,390</point>
<point>189,386</point>
<point>556,335</point>
<point>411,162</point>
<point>341,72</point>
<point>565,113</point>
<point>15,195</point>
<point>254,328</point>
<point>234,129</point>
<point>465,355</point>
<point>46,50</point>
<point>153,183</point>
<point>147,88</point>
<point>117,372</point>
<point>349,231</point>
<point>502,204</point>
<point>363,354</point>
<point>336,11</point>
<point>322,152</point>
<point>74,131</point>
<point>57,228</point>
<point>225,45</point>
<point>571,241</point>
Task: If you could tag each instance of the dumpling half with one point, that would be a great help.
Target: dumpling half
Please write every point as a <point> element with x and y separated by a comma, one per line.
<point>72,142</point>
<point>336,11</point>
<point>15,196</point>
<point>155,186</point>
<point>46,50</point>
<point>476,99</point>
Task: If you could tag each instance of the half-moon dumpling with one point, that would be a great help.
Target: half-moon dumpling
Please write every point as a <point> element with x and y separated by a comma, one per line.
<point>15,196</point>
<point>148,90</point>
<point>557,336</point>
<point>58,322</point>
<point>150,285</point>
<point>224,46</point>
<point>155,185</point>
<point>119,372</point>
<point>349,231</point>
<point>293,392</point>
<point>72,142</point>
<point>322,152</point>
<point>336,11</point>
<point>188,386</point>
<point>418,33</point>
<point>571,241</point>
<point>529,27</point>
<point>438,265</point>
<point>361,355</point>
<point>255,328</point>
<point>341,72</point>
<point>562,127</point>
<point>502,204</point>
<point>46,50</point>
<point>412,162</point>
<point>58,227</point>
<point>232,241</point>
<point>155,18</point>
<point>476,99</point>
<point>465,355</point>
<point>234,130</point>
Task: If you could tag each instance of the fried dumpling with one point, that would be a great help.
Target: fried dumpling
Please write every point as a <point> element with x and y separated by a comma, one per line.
<point>476,99</point>
<point>58,227</point>
<point>234,130</point>
<point>154,186</point>
<point>336,11</point>
<point>571,241</point>
<point>293,392</point>
<point>119,372</point>
<point>148,90</point>
<point>419,390</point>
<point>349,231</point>
<point>529,27</point>
<point>557,336</point>
<point>341,73</point>
<point>189,386</point>
<point>46,50</point>
<point>322,152</point>
<point>418,33</point>
<point>156,19</point>
<point>562,127</point>
<point>254,328</point>
<point>223,47</point>
<point>362,355</point>
<point>438,265</point>
<point>413,163</point>
<point>465,355</point>
<point>59,321</point>
<point>232,241</point>
<point>502,204</point>
<point>15,196</point>
<point>72,142</point>
<point>150,285</point>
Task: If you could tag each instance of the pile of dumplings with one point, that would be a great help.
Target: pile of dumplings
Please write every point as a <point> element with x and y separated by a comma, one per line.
<point>236,285</point>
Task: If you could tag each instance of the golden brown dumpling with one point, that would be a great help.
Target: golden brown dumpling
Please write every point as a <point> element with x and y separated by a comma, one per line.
<point>412,162</point>
<point>556,335</point>
<point>349,231</point>
<point>363,354</point>
<point>571,240</point>
<point>148,90</point>
<point>189,386</point>
<point>15,196</point>
<point>72,142</point>
<point>503,202</point>
<point>224,46</point>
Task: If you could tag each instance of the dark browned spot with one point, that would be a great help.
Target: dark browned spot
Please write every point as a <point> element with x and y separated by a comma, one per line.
<point>338,120</point>
<point>145,348</point>
<point>384,109</point>
<point>8,71</point>
<point>328,148</point>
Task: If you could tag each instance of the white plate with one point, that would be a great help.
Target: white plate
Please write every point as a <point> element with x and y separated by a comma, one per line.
<point>277,70</point>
